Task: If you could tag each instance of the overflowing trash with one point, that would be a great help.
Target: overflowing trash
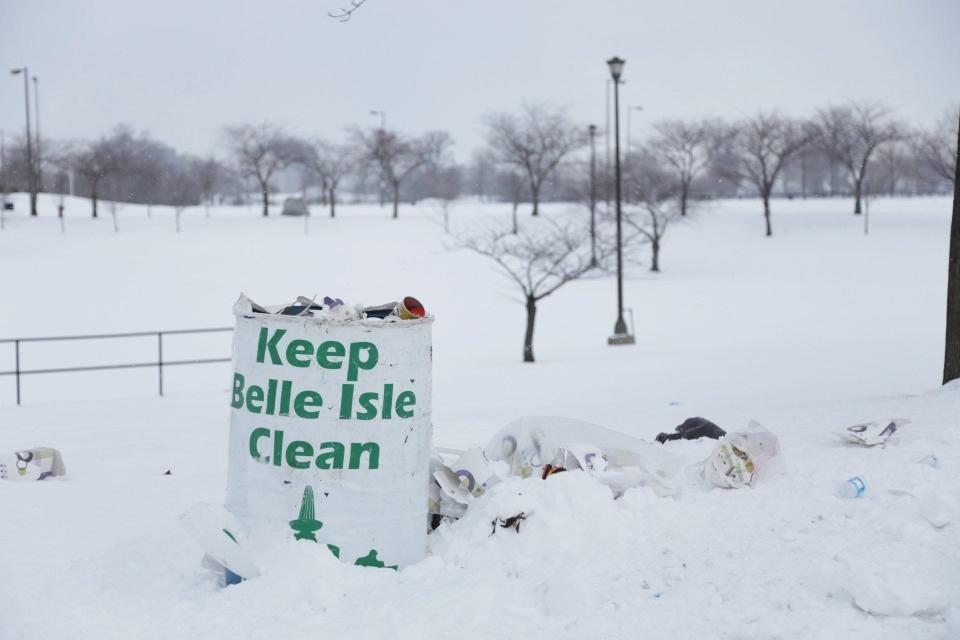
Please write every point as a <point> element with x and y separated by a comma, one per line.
<point>870,434</point>
<point>40,463</point>
<point>335,309</point>
<point>541,446</point>
<point>330,432</point>
<point>742,458</point>
<point>693,429</point>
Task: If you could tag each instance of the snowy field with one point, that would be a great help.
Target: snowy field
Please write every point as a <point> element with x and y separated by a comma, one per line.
<point>807,332</point>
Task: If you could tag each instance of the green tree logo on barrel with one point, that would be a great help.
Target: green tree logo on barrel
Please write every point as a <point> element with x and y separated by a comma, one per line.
<point>306,525</point>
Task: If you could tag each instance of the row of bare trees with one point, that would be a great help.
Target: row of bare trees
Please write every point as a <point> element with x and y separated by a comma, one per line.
<point>532,155</point>
<point>664,176</point>
<point>852,148</point>
<point>126,167</point>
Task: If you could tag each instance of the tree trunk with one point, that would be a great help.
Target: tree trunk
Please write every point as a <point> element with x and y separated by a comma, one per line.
<point>857,184</point>
<point>655,259</point>
<point>766,211</point>
<point>333,202</point>
<point>528,336</point>
<point>516,205</point>
<point>265,193</point>
<point>684,195</point>
<point>93,200</point>
<point>951,358</point>
<point>396,199</point>
<point>535,196</point>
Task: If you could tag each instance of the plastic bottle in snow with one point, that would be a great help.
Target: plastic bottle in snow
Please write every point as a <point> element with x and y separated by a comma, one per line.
<point>852,488</point>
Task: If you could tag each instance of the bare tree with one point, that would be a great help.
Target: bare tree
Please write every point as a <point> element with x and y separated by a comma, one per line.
<point>343,14</point>
<point>331,163</point>
<point>398,157</point>
<point>510,184</point>
<point>209,175</point>
<point>850,134</point>
<point>108,157</point>
<point>936,149</point>
<point>183,187</point>
<point>481,174</point>
<point>764,144</point>
<point>658,207</point>
<point>445,184</point>
<point>683,146</point>
<point>259,152</point>
<point>539,260</point>
<point>535,142</point>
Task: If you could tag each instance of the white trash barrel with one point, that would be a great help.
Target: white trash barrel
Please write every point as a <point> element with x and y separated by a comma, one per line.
<point>330,433</point>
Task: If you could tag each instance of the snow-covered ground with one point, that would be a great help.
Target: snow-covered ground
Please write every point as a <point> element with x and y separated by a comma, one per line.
<point>807,332</point>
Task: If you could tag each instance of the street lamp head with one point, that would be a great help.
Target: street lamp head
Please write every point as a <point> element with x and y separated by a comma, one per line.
<point>16,72</point>
<point>616,67</point>
<point>592,130</point>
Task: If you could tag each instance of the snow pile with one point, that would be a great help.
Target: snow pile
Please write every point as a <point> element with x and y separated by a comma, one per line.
<point>809,332</point>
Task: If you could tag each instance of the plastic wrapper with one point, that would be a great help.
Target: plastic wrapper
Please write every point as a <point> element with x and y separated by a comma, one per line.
<point>743,458</point>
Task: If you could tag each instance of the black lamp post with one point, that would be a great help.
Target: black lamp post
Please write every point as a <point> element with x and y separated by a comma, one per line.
<point>620,334</point>
<point>31,180</point>
<point>592,131</point>
<point>36,109</point>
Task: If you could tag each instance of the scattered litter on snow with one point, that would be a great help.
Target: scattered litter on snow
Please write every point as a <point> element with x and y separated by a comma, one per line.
<point>930,460</point>
<point>693,429</point>
<point>616,459</point>
<point>40,463</point>
<point>870,434</point>
<point>855,487</point>
<point>743,458</point>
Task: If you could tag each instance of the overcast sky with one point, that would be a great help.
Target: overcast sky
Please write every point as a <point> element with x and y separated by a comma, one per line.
<point>182,69</point>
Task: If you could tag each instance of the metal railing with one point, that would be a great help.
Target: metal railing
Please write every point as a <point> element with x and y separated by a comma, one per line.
<point>160,363</point>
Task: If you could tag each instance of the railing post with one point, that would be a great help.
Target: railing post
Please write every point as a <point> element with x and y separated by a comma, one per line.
<point>160,359</point>
<point>16,351</point>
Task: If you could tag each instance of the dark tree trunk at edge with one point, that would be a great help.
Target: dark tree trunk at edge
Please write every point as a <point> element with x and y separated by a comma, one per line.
<point>528,336</point>
<point>655,259</point>
<point>93,200</point>
<point>333,203</point>
<point>684,196</point>
<point>766,213</point>
<point>951,359</point>
<point>857,209</point>
<point>266,201</point>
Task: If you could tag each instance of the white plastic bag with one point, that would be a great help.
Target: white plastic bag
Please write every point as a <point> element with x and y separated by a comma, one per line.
<point>743,457</point>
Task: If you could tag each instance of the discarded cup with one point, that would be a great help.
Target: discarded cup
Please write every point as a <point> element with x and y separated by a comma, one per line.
<point>931,461</point>
<point>411,308</point>
<point>855,487</point>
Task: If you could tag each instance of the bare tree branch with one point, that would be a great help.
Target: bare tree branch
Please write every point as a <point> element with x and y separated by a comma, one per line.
<point>345,13</point>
